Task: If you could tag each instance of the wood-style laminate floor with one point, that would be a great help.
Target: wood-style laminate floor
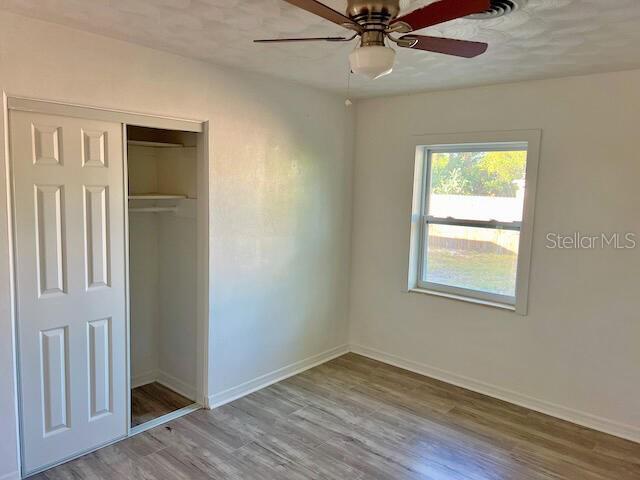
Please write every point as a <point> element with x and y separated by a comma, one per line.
<point>355,418</point>
<point>154,400</point>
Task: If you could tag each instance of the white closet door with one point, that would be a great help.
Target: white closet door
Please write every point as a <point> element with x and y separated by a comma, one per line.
<point>69,204</point>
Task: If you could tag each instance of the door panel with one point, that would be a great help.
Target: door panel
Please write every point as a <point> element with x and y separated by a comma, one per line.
<point>69,228</point>
<point>97,236</point>
<point>100,366</point>
<point>49,242</point>
<point>54,351</point>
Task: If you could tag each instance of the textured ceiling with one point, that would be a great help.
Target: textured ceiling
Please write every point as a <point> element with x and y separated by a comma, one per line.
<point>548,38</point>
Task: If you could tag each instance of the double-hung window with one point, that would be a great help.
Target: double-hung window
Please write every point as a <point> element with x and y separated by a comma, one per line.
<point>470,203</point>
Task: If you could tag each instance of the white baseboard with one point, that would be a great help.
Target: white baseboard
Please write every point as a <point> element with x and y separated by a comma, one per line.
<point>588,420</point>
<point>144,378</point>
<point>176,385</point>
<point>165,379</point>
<point>233,393</point>
<point>11,476</point>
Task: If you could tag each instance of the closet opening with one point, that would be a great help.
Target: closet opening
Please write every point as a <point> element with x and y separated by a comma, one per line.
<point>162,183</point>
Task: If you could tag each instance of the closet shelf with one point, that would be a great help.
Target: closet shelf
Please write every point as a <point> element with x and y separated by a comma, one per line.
<point>156,196</point>
<point>152,209</point>
<point>143,143</point>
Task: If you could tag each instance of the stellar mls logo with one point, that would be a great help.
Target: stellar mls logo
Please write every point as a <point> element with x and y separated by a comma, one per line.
<point>580,241</point>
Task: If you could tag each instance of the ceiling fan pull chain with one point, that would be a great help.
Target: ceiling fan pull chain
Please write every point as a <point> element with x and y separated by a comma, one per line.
<point>348,101</point>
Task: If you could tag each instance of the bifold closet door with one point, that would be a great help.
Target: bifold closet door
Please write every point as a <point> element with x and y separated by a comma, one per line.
<point>69,232</point>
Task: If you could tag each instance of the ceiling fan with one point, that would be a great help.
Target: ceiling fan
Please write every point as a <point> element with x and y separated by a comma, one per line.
<point>374,21</point>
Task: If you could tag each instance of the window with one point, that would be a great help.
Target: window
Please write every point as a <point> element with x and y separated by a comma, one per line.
<point>469,205</point>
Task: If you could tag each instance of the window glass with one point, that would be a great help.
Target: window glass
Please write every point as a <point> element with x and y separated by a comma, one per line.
<point>483,259</point>
<point>478,185</point>
<point>473,211</point>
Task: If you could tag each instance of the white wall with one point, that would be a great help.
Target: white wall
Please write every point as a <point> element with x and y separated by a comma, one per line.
<point>178,324</point>
<point>144,268</point>
<point>163,270</point>
<point>577,353</point>
<point>280,192</point>
<point>144,304</point>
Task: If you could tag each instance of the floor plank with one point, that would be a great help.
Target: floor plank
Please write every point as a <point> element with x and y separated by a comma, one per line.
<point>355,418</point>
<point>154,400</point>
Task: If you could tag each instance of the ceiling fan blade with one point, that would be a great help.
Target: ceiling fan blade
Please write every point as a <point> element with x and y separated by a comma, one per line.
<point>306,39</point>
<point>439,12</point>
<point>447,46</point>
<point>320,9</point>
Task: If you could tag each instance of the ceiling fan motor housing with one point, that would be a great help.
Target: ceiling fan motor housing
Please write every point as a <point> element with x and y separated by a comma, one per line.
<point>372,13</point>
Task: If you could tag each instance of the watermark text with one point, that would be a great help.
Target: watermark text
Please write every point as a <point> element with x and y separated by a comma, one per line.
<point>580,241</point>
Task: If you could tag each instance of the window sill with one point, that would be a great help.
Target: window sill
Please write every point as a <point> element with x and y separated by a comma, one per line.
<point>452,296</point>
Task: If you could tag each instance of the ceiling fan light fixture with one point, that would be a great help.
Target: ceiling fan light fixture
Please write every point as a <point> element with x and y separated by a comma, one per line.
<point>373,61</point>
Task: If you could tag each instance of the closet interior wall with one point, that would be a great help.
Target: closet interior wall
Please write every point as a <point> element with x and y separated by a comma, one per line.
<point>162,260</point>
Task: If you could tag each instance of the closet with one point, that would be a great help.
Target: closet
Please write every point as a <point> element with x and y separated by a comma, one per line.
<point>161,171</point>
<point>110,260</point>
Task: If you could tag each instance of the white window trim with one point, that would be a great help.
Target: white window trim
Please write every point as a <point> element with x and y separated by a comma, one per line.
<point>422,145</point>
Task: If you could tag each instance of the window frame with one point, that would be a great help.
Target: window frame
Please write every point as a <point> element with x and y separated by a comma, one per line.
<point>424,146</point>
